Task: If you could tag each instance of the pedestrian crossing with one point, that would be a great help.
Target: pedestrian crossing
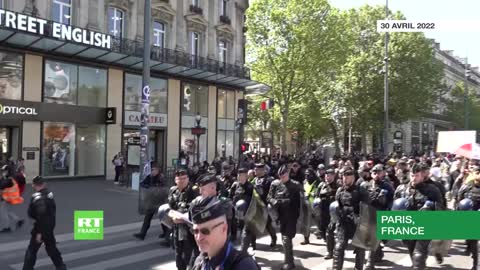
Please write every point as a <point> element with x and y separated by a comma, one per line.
<point>120,251</point>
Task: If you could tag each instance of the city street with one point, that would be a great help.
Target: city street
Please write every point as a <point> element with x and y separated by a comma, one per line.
<point>119,250</point>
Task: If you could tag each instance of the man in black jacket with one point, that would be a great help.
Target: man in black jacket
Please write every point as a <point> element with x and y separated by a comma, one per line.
<point>154,179</point>
<point>284,196</point>
<point>42,209</point>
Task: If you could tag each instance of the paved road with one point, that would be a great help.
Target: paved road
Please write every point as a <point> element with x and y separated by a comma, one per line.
<point>119,250</point>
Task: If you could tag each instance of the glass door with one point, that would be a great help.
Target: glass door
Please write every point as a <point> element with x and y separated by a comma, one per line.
<point>4,144</point>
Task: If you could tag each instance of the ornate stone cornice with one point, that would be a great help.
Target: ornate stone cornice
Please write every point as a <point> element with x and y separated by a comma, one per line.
<point>196,22</point>
<point>225,31</point>
<point>126,5</point>
<point>163,10</point>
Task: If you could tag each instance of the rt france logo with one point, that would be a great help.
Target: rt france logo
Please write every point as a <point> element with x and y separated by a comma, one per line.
<point>88,225</point>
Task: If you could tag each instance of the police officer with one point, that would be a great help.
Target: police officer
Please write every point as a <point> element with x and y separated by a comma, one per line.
<point>321,171</point>
<point>225,182</point>
<point>211,235</point>
<point>42,210</point>
<point>262,185</point>
<point>207,185</point>
<point>310,186</point>
<point>154,179</point>
<point>471,191</point>
<point>348,197</point>
<point>243,190</point>
<point>381,194</point>
<point>285,195</point>
<point>421,196</point>
<point>438,184</point>
<point>326,193</point>
<point>363,174</point>
<point>179,199</point>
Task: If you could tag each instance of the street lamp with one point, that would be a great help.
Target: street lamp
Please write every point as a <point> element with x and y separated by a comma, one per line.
<point>198,131</point>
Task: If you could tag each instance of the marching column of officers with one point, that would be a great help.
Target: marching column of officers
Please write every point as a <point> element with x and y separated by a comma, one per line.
<point>332,198</point>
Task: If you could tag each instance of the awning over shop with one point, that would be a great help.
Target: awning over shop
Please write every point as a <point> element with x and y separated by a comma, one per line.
<point>129,54</point>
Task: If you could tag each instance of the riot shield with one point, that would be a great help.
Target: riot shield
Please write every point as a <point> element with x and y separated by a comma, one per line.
<point>257,214</point>
<point>165,219</point>
<point>150,199</point>
<point>365,235</point>
<point>305,219</point>
<point>440,247</point>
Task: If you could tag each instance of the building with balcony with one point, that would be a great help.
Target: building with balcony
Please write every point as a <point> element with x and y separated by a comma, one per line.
<point>70,81</point>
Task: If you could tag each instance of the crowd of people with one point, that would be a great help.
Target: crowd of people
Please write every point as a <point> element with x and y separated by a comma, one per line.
<point>331,192</point>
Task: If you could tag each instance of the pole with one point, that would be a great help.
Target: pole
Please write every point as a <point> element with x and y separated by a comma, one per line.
<point>385,105</point>
<point>144,156</point>
<point>350,133</point>
<point>465,97</point>
<point>198,148</point>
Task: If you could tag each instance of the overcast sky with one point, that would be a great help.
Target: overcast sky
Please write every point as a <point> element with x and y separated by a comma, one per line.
<point>463,43</point>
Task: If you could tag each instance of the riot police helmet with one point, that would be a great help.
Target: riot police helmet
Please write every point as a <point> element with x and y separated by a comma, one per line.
<point>465,204</point>
<point>400,204</point>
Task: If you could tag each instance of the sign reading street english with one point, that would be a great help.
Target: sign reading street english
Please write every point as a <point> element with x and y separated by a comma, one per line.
<point>57,30</point>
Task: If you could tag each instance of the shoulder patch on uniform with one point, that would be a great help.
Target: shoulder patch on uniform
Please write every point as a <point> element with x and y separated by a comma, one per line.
<point>36,194</point>
<point>50,195</point>
<point>276,182</point>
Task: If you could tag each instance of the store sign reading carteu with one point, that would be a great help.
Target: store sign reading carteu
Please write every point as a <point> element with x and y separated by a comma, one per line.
<point>61,31</point>
<point>133,118</point>
<point>17,110</point>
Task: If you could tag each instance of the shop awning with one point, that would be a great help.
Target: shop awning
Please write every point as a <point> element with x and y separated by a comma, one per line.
<point>129,54</point>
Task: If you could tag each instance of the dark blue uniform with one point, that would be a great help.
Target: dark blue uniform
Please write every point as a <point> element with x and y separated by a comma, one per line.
<point>42,209</point>
<point>184,242</point>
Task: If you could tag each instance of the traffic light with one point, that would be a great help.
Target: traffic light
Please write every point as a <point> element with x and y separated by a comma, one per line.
<point>244,147</point>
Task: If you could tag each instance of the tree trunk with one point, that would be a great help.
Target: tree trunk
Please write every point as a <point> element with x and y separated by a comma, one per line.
<point>364,141</point>
<point>284,131</point>
<point>335,137</point>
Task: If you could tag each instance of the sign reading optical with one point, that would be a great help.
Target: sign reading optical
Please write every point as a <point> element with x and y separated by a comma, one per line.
<point>17,110</point>
<point>40,26</point>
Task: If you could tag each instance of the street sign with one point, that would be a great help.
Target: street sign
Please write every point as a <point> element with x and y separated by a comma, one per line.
<point>198,131</point>
<point>266,140</point>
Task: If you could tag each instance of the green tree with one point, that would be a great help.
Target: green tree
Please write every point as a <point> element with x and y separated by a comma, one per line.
<point>415,76</point>
<point>291,46</point>
<point>455,109</point>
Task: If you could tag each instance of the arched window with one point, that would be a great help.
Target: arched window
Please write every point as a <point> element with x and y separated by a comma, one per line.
<point>116,18</point>
<point>159,33</point>
<point>61,11</point>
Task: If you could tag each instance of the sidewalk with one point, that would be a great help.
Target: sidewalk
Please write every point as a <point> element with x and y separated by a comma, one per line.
<point>118,203</point>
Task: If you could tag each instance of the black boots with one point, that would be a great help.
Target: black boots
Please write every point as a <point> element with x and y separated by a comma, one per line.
<point>288,249</point>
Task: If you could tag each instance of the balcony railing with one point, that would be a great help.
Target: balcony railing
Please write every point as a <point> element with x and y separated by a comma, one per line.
<point>196,9</point>
<point>225,19</point>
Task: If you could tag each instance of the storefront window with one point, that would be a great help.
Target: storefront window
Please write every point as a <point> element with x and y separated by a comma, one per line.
<point>58,158</point>
<point>226,135</point>
<point>92,90</point>
<point>91,150</point>
<point>221,103</point>
<point>60,83</point>
<point>195,100</point>
<point>11,75</point>
<point>70,150</point>
<point>158,94</point>
<point>63,79</point>
<point>189,145</point>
